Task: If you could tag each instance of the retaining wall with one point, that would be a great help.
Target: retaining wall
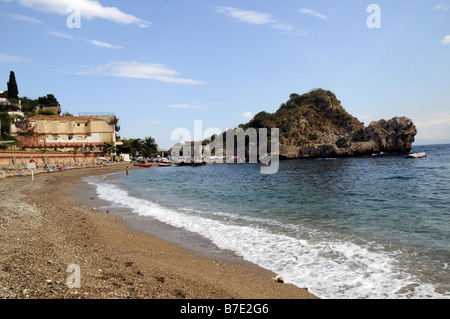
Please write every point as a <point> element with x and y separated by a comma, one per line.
<point>14,160</point>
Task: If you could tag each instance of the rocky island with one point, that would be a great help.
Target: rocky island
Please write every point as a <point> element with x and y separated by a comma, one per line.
<point>315,125</point>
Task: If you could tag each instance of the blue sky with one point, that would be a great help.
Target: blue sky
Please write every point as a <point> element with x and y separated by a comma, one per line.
<point>162,64</point>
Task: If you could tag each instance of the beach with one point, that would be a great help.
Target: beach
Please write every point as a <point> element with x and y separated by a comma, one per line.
<point>47,232</point>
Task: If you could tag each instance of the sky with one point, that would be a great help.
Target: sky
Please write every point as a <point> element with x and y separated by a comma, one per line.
<point>161,65</point>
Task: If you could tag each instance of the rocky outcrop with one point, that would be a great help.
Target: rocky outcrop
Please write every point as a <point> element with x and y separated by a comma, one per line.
<point>315,125</point>
<point>393,136</point>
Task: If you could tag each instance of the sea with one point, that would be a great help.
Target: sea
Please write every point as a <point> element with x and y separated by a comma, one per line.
<point>349,228</point>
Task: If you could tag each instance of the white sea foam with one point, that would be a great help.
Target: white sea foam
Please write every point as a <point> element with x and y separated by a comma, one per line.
<point>328,268</point>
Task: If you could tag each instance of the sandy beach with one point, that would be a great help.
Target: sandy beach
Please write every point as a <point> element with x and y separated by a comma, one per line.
<point>46,230</point>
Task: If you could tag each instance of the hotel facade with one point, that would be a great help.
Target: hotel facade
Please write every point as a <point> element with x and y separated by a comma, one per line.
<point>65,133</point>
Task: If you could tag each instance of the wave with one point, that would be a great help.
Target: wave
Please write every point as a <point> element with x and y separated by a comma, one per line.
<point>328,267</point>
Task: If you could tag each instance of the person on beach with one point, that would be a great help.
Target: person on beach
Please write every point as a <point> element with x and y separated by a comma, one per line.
<point>127,171</point>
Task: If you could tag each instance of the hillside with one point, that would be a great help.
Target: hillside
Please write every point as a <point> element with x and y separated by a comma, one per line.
<point>316,125</point>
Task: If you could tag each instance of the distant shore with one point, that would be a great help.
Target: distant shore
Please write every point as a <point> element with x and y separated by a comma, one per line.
<point>44,230</point>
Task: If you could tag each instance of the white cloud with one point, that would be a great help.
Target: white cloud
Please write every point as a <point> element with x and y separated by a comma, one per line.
<point>283,27</point>
<point>259,18</point>
<point>11,59</point>
<point>445,40</point>
<point>89,10</point>
<point>247,115</point>
<point>193,105</point>
<point>444,7</point>
<point>251,17</point>
<point>61,35</point>
<point>149,121</point>
<point>93,42</point>
<point>434,129</point>
<point>19,17</point>
<point>436,120</point>
<point>312,13</point>
<point>103,44</point>
<point>138,70</point>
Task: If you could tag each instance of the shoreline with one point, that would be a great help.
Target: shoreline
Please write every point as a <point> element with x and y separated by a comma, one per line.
<point>45,228</point>
<point>180,237</point>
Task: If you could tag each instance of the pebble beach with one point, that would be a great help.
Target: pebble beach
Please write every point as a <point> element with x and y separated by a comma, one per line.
<point>46,233</point>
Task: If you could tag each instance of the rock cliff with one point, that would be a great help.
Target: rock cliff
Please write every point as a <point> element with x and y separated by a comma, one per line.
<point>316,125</point>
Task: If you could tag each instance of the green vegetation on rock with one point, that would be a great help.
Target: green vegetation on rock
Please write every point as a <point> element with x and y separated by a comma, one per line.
<point>316,117</point>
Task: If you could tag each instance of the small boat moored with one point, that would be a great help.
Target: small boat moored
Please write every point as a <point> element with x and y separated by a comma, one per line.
<point>164,162</point>
<point>143,163</point>
<point>416,155</point>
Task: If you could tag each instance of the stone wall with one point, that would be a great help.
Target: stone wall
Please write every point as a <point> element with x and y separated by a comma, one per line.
<point>20,159</point>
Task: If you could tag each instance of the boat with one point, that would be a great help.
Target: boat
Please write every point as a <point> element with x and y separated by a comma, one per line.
<point>164,162</point>
<point>416,155</point>
<point>143,163</point>
<point>379,154</point>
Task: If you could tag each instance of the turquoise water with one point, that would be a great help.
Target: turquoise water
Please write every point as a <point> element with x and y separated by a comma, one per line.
<point>376,227</point>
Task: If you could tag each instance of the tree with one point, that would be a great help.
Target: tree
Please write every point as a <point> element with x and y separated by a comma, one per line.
<point>49,100</point>
<point>136,145</point>
<point>149,146</point>
<point>28,105</point>
<point>6,137</point>
<point>125,148</point>
<point>5,107</point>
<point>115,121</point>
<point>5,122</point>
<point>46,112</point>
<point>109,148</point>
<point>13,91</point>
<point>67,114</point>
<point>145,147</point>
<point>131,146</point>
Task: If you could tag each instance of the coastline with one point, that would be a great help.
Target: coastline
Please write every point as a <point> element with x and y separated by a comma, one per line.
<point>85,193</point>
<point>47,226</point>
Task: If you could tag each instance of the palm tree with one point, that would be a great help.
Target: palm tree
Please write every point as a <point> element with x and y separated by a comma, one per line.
<point>109,148</point>
<point>146,146</point>
<point>150,146</point>
<point>136,145</point>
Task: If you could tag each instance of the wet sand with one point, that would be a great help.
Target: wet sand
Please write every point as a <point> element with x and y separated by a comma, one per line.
<point>49,224</point>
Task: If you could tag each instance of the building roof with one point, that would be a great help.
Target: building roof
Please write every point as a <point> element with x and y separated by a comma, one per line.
<point>64,118</point>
